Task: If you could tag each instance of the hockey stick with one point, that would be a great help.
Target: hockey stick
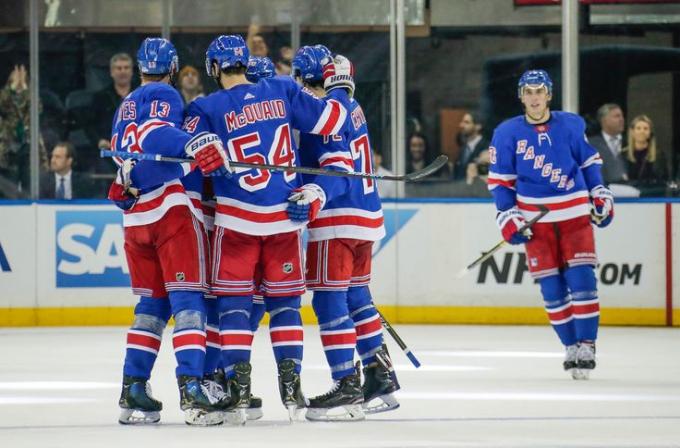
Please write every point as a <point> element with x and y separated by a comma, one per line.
<point>411,177</point>
<point>398,340</point>
<point>543,210</point>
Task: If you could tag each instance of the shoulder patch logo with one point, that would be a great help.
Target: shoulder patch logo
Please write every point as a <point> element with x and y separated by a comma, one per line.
<point>249,96</point>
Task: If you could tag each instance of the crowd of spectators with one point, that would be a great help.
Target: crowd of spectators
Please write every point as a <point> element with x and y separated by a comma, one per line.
<point>633,165</point>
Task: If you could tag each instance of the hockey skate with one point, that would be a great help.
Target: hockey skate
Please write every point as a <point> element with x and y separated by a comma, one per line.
<point>380,383</point>
<point>199,406</point>
<point>290,389</point>
<point>254,411</point>
<point>138,407</point>
<point>216,392</point>
<point>239,391</point>
<point>585,360</point>
<point>570,363</point>
<point>342,403</point>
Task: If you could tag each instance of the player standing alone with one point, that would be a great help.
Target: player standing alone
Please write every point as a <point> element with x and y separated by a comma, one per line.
<point>339,261</point>
<point>543,158</point>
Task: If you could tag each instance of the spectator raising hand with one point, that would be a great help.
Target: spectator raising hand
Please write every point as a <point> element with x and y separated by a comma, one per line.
<point>18,79</point>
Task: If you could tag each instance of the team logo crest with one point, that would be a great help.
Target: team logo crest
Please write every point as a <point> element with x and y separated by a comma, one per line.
<point>287,268</point>
<point>179,276</point>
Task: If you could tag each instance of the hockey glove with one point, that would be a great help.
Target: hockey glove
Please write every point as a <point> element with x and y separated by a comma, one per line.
<point>510,223</point>
<point>602,206</point>
<point>121,192</point>
<point>207,150</point>
<point>305,203</point>
<point>338,73</point>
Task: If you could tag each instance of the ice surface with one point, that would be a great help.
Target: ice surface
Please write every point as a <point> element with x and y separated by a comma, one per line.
<point>480,386</point>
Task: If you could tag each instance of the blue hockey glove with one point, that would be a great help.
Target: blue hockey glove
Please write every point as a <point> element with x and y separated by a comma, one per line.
<point>305,203</point>
<point>602,206</point>
<point>510,222</point>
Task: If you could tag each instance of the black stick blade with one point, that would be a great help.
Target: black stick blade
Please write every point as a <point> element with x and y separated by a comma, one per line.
<point>430,169</point>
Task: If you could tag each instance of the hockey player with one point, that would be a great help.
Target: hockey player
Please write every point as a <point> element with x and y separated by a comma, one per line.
<point>259,67</point>
<point>252,229</point>
<point>339,261</point>
<point>543,158</point>
<point>165,245</point>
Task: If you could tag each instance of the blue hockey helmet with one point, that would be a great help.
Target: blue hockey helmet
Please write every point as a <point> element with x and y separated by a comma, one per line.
<point>226,51</point>
<point>534,78</point>
<point>307,62</point>
<point>259,67</point>
<point>157,56</point>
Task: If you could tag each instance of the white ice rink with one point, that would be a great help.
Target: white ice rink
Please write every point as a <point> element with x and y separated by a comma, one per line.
<point>478,387</point>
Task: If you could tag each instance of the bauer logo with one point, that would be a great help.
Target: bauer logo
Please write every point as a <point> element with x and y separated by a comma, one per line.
<point>90,250</point>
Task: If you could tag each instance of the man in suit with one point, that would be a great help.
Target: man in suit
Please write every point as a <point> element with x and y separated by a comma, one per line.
<point>609,143</point>
<point>61,182</point>
<point>472,141</point>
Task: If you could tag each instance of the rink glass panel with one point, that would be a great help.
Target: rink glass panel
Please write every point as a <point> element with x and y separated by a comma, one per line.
<point>469,59</point>
<point>15,173</point>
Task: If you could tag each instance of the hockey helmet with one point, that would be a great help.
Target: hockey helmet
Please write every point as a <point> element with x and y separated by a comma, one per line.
<point>226,51</point>
<point>259,67</point>
<point>157,56</point>
<point>534,78</point>
<point>307,62</point>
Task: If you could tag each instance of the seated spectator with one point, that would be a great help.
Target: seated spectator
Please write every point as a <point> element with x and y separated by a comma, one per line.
<point>15,134</point>
<point>472,143</point>
<point>417,156</point>
<point>106,101</point>
<point>189,83</point>
<point>62,182</point>
<point>386,188</point>
<point>608,143</point>
<point>646,165</point>
<point>476,175</point>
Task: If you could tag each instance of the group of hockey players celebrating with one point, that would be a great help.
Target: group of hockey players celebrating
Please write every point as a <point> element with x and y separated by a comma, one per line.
<point>216,247</point>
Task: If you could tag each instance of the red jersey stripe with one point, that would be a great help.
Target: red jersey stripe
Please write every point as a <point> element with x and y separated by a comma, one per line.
<point>347,221</point>
<point>554,206</point>
<point>332,118</point>
<point>248,215</point>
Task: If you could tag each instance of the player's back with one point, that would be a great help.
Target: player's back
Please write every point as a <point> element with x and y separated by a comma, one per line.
<point>357,214</point>
<point>142,112</point>
<point>255,124</point>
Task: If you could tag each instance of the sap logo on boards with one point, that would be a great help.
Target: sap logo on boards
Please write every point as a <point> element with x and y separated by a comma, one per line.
<point>4,261</point>
<point>89,249</point>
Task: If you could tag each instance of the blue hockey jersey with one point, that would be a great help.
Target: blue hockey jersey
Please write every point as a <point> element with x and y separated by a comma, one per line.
<point>356,214</point>
<point>550,164</point>
<point>255,123</point>
<point>149,120</point>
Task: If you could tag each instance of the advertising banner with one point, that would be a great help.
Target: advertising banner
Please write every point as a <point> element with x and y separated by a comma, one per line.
<point>71,257</point>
